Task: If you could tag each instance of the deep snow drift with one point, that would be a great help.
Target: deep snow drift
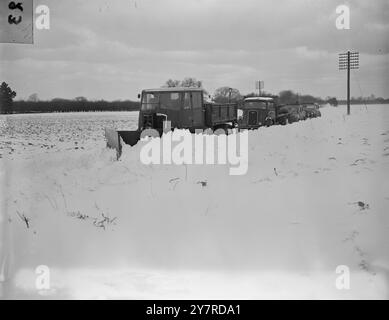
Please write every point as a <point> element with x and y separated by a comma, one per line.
<point>316,196</point>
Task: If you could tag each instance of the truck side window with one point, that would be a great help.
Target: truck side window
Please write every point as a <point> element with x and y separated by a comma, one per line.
<point>196,100</point>
<point>170,101</point>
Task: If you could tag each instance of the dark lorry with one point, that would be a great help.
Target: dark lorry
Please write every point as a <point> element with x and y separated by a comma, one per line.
<point>264,111</point>
<point>185,108</point>
<point>257,112</point>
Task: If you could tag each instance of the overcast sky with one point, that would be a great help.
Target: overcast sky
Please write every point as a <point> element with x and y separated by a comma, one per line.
<point>113,49</point>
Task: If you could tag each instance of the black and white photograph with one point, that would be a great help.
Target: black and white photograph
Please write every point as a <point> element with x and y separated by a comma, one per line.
<point>194,150</point>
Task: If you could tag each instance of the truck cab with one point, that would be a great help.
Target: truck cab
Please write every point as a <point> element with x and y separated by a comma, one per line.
<point>183,107</point>
<point>256,112</point>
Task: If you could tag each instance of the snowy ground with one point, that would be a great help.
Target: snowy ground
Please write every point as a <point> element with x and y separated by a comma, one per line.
<point>121,229</point>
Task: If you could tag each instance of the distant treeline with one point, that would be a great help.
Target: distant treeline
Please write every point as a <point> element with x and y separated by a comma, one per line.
<point>64,105</point>
<point>291,97</point>
<point>84,105</point>
<point>221,95</point>
<point>362,100</point>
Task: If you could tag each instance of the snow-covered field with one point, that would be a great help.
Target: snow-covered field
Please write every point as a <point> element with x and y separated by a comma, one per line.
<point>316,196</point>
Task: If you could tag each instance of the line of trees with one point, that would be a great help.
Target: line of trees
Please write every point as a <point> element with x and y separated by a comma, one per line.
<point>366,100</point>
<point>221,95</point>
<point>34,105</point>
<point>74,105</point>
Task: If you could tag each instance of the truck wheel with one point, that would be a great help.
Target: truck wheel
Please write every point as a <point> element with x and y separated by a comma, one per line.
<point>221,130</point>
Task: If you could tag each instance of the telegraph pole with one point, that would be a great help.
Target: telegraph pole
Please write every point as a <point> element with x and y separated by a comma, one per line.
<point>348,82</point>
<point>347,61</point>
<point>259,85</point>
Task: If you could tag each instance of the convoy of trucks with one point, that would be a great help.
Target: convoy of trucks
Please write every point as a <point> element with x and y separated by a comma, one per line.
<point>187,108</point>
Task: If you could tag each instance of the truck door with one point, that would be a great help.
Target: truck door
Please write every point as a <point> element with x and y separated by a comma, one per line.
<point>186,111</point>
<point>252,117</point>
<point>197,108</point>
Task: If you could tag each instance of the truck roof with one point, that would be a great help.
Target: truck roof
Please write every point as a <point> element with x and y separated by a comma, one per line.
<point>174,89</point>
<point>258,99</point>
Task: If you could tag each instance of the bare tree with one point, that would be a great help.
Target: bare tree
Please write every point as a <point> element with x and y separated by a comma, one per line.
<point>172,83</point>
<point>191,83</point>
<point>288,96</point>
<point>188,82</point>
<point>33,98</point>
<point>227,94</point>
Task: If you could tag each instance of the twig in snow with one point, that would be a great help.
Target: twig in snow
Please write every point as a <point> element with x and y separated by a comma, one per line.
<point>102,223</point>
<point>53,203</point>
<point>203,183</point>
<point>63,197</point>
<point>24,218</point>
<point>176,181</point>
<point>362,205</point>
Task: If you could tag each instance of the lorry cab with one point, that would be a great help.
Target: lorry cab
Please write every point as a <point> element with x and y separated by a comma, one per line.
<point>182,106</point>
<point>256,112</point>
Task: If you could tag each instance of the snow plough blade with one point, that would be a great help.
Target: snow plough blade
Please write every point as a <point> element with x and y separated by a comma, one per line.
<point>114,139</point>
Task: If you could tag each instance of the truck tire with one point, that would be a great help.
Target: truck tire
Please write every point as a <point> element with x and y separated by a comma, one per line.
<point>222,129</point>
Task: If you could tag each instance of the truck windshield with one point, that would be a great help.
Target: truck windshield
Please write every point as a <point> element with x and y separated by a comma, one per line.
<point>150,101</point>
<point>255,104</point>
<point>163,100</point>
